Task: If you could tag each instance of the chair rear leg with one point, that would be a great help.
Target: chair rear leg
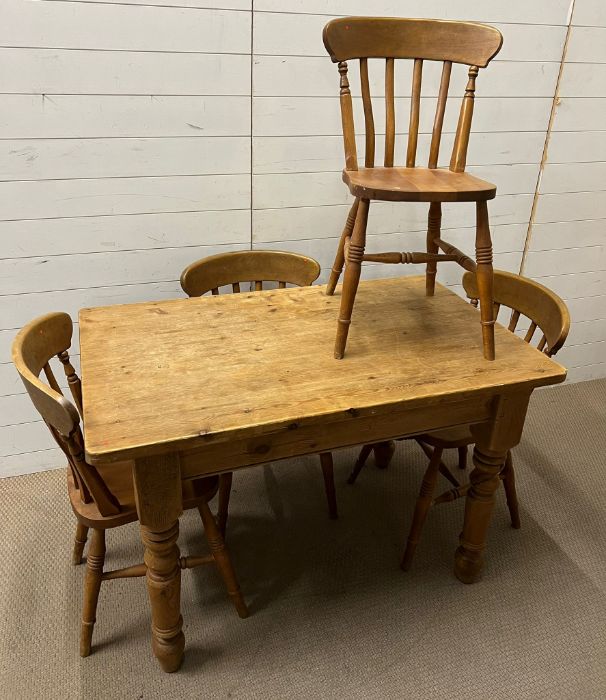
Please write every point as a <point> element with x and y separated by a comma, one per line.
<point>222,560</point>
<point>485,279</point>
<point>360,462</point>
<point>329,484</point>
<point>434,222</point>
<point>428,486</point>
<point>225,481</point>
<point>509,483</point>
<point>352,276</point>
<point>462,457</point>
<point>337,266</point>
<point>79,542</point>
<point>92,583</point>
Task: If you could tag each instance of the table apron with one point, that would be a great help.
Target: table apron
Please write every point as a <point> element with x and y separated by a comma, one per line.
<point>323,437</point>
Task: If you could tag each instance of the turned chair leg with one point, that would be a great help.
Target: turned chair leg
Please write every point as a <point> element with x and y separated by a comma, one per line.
<point>79,542</point>
<point>92,583</point>
<point>337,266</point>
<point>462,457</point>
<point>224,493</point>
<point>352,276</point>
<point>509,483</point>
<point>422,507</point>
<point>360,462</point>
<point>434,222</point>
<point>222,560</point>
<point>484,279</point>
<point>329,484</point>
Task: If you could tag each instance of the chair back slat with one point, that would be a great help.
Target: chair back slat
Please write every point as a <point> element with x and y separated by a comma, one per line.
<point>214,291</point>
<point>530,332</point>
<point>258,285</point>
<point>347,120</point>
<point>513,321</point>
<point>50,378</point>
<point>390,113</point>
<point>468,43</point>
<point>34,346</point>
<point>436,134</point>
<point>528,298</point>
<point>281,285</point>
<point>369,122</point>
<point>255,266</point>
<point>235,287</point>
<point>415,110</point>
<point>461,142</point>
<point>542,343</point>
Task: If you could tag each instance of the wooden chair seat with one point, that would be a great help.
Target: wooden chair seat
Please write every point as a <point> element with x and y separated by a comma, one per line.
<point>449,438</point>
<point>417,185</point>
<point>118,478</point>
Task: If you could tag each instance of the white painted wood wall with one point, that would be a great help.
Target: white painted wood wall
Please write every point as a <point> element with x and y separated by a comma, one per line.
<point>139,135</point>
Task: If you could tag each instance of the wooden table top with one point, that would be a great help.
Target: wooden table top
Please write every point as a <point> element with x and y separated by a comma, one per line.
<point>176,374</point>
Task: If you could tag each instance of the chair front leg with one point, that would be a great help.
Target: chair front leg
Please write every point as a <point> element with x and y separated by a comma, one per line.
<point>485,279</point>
<point>352,276</point>
<point>337,266</point>
<point>434,222</point>
<point>509,484</point>
<point>428,486</point>
<point>329,484</point>
<point>225,481</point>
<point>92,585</point>
<point>79,542</point>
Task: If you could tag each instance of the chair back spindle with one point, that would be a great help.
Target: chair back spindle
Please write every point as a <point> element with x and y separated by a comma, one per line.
<point>248,266</point>
<point>415,110</point>
<point>468,43</point>
<point>528,298</point>
<point>436,134</point>
<point>390,113</point>
<point>369,155</point>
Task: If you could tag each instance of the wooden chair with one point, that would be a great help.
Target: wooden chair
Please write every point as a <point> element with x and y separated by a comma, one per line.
<point>545,311</point>
<point>256,267</point>
<point>102,496</point>
<point>367,38</point>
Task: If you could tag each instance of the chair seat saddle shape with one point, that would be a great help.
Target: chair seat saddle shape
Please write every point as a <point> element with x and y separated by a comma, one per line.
<point>102,496</point>
<point>420,40</point>
<point>544,311</point>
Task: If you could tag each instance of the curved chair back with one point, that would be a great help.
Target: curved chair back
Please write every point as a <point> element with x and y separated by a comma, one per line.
<point>525,297</point>
<point>258,266</point>
<point>392,38</point>
<point>33,349</point>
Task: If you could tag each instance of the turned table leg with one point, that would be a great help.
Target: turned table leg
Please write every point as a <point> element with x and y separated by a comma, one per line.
<point>157,484</point>
<point>493,440</point>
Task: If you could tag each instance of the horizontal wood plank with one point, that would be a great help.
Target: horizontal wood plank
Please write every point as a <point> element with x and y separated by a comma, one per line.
<point>577,146</point>
<point>318,222</point>
<point>538,12</point>
<point>45,199</point>
<point>82,72</point>
<point>97,234</point>
<point>574,206</point>
<point>295,34</point>
<point>301,116</point>
<point>296,154</point>
<point>100,269</point>
<point>51,159</point>
<point>91,116</point>
<point>78,25</point>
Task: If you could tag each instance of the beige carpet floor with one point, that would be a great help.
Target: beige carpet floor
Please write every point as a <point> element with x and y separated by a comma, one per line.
<point>332,614</point>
